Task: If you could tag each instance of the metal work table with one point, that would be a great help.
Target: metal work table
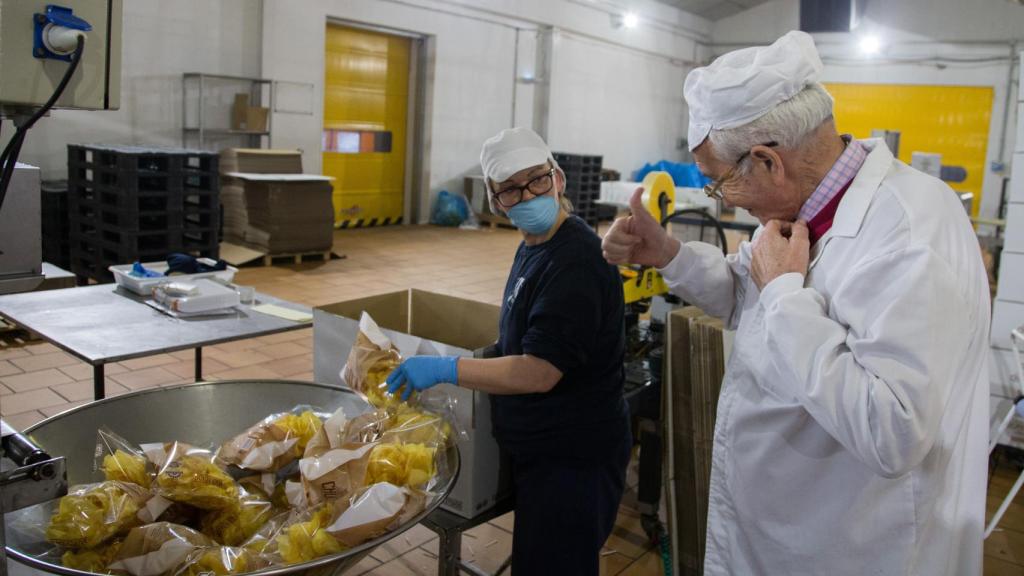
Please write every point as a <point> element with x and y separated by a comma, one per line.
<point>449,528</point>
<point>105,323</point>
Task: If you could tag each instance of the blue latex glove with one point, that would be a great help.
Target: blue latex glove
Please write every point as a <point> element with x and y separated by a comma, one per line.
<point>421,372</point>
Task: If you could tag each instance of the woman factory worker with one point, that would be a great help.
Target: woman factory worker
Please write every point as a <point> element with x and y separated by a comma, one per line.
<point>556,386</point>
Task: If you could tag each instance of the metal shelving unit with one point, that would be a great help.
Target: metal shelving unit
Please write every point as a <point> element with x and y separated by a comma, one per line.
<point>211,97</point>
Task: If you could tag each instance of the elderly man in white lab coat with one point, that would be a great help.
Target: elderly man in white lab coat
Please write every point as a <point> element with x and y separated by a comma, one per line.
<point>853,420</point>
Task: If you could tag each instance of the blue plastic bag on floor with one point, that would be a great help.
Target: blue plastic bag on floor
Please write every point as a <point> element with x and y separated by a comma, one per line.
<point>449,209</point>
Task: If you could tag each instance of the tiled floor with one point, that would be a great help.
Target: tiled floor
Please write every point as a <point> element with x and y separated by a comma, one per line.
<point>37,380</point>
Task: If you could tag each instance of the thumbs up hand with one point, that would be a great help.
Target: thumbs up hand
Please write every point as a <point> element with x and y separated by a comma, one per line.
<point>639,238</point>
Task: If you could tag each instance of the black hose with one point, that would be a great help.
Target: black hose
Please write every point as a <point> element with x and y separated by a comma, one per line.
<point>9,158</point>
<point>704,214</point>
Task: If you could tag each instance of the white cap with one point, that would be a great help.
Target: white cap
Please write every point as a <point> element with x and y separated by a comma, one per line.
<point>743,85</point>
<point>512,150</point>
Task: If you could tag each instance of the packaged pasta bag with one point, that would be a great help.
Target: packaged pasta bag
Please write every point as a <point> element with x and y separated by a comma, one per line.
<point>156,549</point>
<point>305,537</point>
<point>409,465</point>
<point>235,524</point>
<point>272,443</point>
<point>91,559</point>
<point>221,560</point>
<point>374,511</point>
<point>372,358</point>
<point>366,428</point>
<point>335,474</point>
<point>121,460</point>
<point>94,514</point>
<point>264,541</point>
<point>330,435</point>
<point>189,476</point>
<point>409,424</point>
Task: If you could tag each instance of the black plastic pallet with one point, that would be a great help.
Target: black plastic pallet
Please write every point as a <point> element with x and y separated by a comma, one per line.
<point>109,198</point>
<point>143,159</point>
<point>195,218</point>
<point>200,199</point>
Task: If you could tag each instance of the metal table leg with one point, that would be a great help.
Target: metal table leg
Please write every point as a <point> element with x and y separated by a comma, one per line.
<point>199,363</point>
<point>449,551</point>
<point>98,391</point>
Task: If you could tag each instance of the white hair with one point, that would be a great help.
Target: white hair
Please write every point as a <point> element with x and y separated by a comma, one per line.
<point>788,124</point>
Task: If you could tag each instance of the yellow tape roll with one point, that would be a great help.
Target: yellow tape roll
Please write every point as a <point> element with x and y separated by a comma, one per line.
<point>659,194</point>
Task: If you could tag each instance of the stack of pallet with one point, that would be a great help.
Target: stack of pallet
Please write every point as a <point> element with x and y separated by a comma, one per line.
<point>54,213</point>
<point>271,206</point>
<point>696,350</point>
<point>582,183</point>
<point>128,204</point>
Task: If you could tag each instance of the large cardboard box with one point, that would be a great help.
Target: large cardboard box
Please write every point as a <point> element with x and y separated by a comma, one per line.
<point>260,161</point>
<point>246,117</point>
<point>420,322</point>
<point>279,213</point>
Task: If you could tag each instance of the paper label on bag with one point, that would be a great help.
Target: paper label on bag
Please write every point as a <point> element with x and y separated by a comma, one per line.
<point>262,457</point>
<point>334,427</point>
<point>380,501</point>
<point>295,494</point>
<point>368,327</point>
<point>268,479</point>
<point>314,468</point>
<point>169,555</point>
<point>154,507</point>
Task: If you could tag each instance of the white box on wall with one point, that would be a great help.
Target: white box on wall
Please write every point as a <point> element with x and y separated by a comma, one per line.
<point>1003,374</point>
<point>1017,170</point>
<point>1011,277</point>
<point>1014,241</point>
<point>1006,316</point>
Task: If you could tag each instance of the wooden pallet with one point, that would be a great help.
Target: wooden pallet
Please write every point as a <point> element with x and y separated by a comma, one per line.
<point>494,221</point>
<point>298,258</point>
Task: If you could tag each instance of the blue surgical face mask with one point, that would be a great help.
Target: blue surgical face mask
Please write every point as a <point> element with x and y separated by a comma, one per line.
<point>535,216</point>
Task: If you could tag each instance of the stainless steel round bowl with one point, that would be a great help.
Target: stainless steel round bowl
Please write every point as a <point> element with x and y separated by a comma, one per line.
<point>202,414</point>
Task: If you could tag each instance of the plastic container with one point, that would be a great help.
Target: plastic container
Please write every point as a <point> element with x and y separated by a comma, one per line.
<point>144,286</point>
<point>211,295</point>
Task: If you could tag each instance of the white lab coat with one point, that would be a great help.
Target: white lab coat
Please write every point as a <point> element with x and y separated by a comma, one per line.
<point>852,426</point>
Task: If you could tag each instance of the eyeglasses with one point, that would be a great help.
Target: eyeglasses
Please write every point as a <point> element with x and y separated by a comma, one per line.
<point>538,186</point>
<point>714,189</point>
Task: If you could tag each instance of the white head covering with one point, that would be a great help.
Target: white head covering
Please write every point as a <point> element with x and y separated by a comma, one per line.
<point>512,150</point>
<point>743,85</point>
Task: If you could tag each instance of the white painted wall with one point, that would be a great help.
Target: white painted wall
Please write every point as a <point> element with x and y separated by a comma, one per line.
<point>614,92</point>
<point>977,33</point>
<point>161,41</point>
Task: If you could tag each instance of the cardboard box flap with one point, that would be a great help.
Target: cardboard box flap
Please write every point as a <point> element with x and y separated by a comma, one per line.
<point>389,311</point>
<point>455,321</point>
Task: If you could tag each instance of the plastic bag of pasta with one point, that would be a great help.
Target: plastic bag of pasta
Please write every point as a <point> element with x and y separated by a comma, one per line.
<point>122,460</point>
<point>374,511</point>
<point>264,541</point>
<point>335,474</point>
<point>236,523</point>
<point>372,358</point>
<point>409,465</point>
<point>273,443</point>
<point>412,425</point>
<point>91,515</point>
<point>156,549</point>
<point>305,538</point>
<point>221,560</point>
<point>188,475</point>
<point>330,435</point>
<point>91,559</point>
<point>366,428</point>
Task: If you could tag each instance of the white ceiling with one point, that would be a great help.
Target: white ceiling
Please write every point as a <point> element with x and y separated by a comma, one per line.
<point>713,9</point>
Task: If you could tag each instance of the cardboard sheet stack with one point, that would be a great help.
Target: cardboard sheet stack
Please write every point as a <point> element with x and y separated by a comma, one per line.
<point>271,206</point>
<point>697,348</point>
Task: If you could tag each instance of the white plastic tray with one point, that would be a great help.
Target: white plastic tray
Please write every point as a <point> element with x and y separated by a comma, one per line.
<point>144,286</point>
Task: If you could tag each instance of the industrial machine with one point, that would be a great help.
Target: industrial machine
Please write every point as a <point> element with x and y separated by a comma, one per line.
<point>51,56</point>
<point>648,302</point>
